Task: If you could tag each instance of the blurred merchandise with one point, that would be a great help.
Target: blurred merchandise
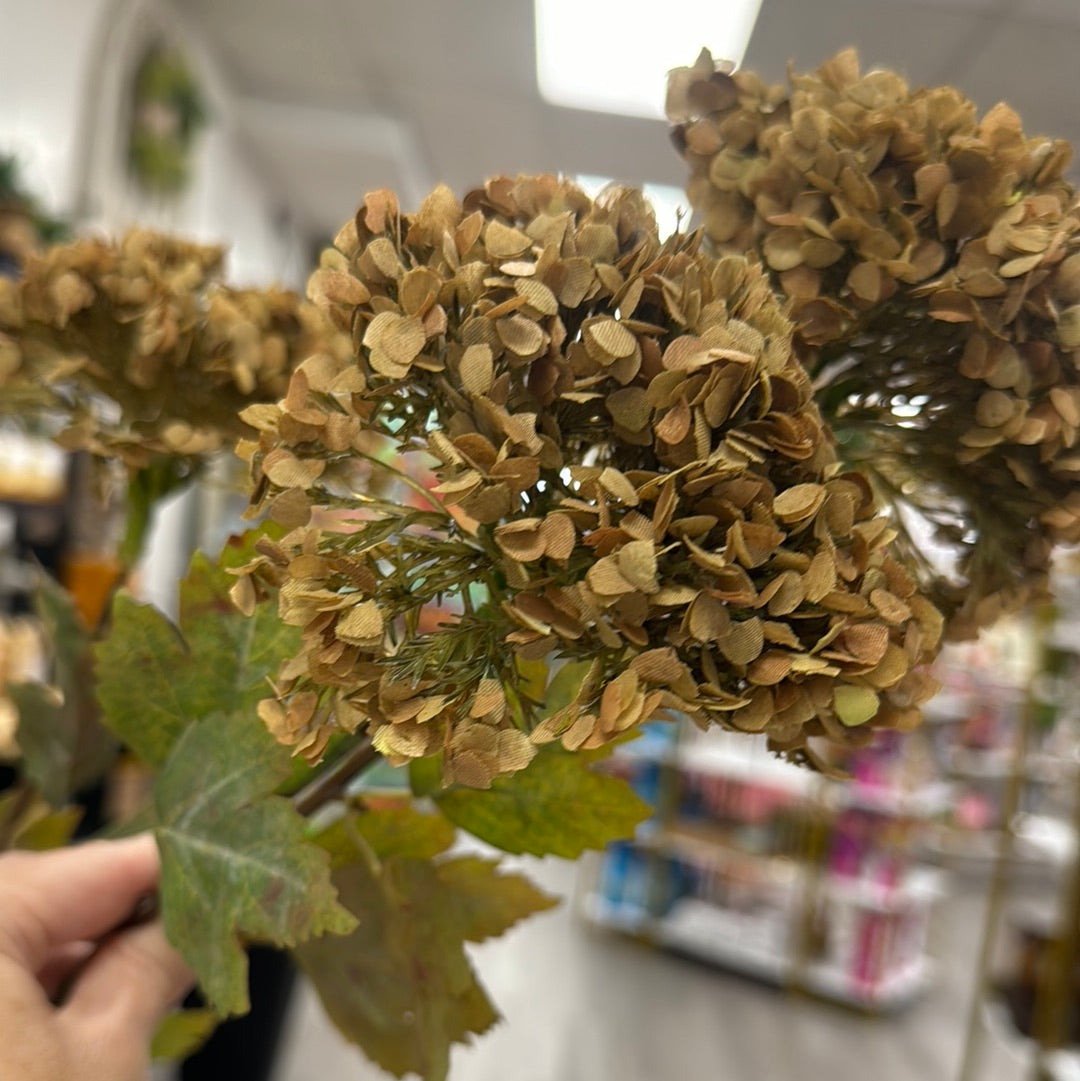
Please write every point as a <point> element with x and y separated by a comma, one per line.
<point>768,869</point>
<point>22,659</point>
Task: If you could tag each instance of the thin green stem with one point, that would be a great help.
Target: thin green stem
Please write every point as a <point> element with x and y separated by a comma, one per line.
<point>405,479</point>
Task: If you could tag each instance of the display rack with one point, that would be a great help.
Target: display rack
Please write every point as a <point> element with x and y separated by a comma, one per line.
<point>776,872</point>
<point>973,728</point>
<point>32,491</point>
<point>1028,1005</point>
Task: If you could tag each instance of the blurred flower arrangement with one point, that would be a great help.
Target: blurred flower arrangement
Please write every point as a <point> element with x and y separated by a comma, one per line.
<point>529,475</point>
<point>23,222</point>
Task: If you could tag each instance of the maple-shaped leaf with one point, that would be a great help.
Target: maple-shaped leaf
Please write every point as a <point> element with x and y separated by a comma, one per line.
<point>237,866</point>
<point>64,748</point>
<point>182,1033</point>
<point>401,985</point>
<point>156,678</point>
<point>559,805</point>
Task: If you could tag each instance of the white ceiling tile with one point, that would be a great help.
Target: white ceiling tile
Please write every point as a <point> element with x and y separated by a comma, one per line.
<point>457,83</point>
<point>912,37</point>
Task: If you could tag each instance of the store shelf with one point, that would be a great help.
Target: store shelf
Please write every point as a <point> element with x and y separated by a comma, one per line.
<point>713,934</point>
<point>1039,839</point>
<point>893,992</point>
<point>626,918</point>
<point>1060,1065</point>
<point>761,768</point>
<point>702,841</point>
<point>926,801</point>
<point>1039,766</point>
<point>694,927</point>
<point>948,706</point>
<point>716,935</point>
<point>959,705</point>
<point>921,886</point>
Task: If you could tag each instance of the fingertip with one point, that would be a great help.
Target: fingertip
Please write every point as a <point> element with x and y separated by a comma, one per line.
<point>132,982</point>
<point>70,894</point>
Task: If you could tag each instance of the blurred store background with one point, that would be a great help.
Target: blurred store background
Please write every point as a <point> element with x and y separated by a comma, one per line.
<point>768,923</point>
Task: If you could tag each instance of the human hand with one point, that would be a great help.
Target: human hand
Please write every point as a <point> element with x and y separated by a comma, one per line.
<point>57,910</point>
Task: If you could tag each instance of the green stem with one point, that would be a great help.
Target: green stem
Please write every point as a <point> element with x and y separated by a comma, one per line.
<point>406,479</point>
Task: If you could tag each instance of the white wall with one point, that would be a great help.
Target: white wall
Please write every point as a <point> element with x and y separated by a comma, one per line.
<point>65,72</point>
<point>45,53</point>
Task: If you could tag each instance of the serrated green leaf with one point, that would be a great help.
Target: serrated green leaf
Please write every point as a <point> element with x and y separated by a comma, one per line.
<point>64,747</point>
<point>481,902</point>
<point>558,806</point>
<point>236,864</point>
<point>213,628</point>
<point>155,679</point>
<point>146,685</point>
<point>388,833</point>
<point>182,1034</point>
<point>44,734</point>
<point>401,986</point>
<point>240,548</point>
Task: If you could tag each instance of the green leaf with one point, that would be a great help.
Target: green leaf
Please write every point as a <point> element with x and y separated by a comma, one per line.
<point>565,685</point>
<point>425,775</point>
<point>388,832</point>
<point>44,735</point>
<point>28,823</point>
<point>401,985</point>
<point>558,805</point>
<point>63,745</point>
<point>52,830</point>
<point>236,864</point>
<point>155,679</point>
<point>182,1034</point>
<point>147,687</point>
<point>142,821</point>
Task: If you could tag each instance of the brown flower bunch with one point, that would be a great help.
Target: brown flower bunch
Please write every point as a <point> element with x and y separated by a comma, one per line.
<point>630,476</point>
<point>142,350</point>
<point>931,259</point>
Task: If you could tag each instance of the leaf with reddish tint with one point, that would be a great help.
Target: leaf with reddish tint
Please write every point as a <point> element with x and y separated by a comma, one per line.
<point>401,985</point>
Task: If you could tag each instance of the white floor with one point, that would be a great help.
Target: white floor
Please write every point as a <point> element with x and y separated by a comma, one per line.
<point>584,1005</point>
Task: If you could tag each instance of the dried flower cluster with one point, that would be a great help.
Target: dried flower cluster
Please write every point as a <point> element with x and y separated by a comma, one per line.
<point>631,473</point>
<point>142,350</point>
<point>932,263</point>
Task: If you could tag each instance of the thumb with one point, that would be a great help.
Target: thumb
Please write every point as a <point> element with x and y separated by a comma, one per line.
<point>129,985</point>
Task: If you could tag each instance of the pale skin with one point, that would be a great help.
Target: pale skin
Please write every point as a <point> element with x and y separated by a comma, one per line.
<point>57,910</point>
